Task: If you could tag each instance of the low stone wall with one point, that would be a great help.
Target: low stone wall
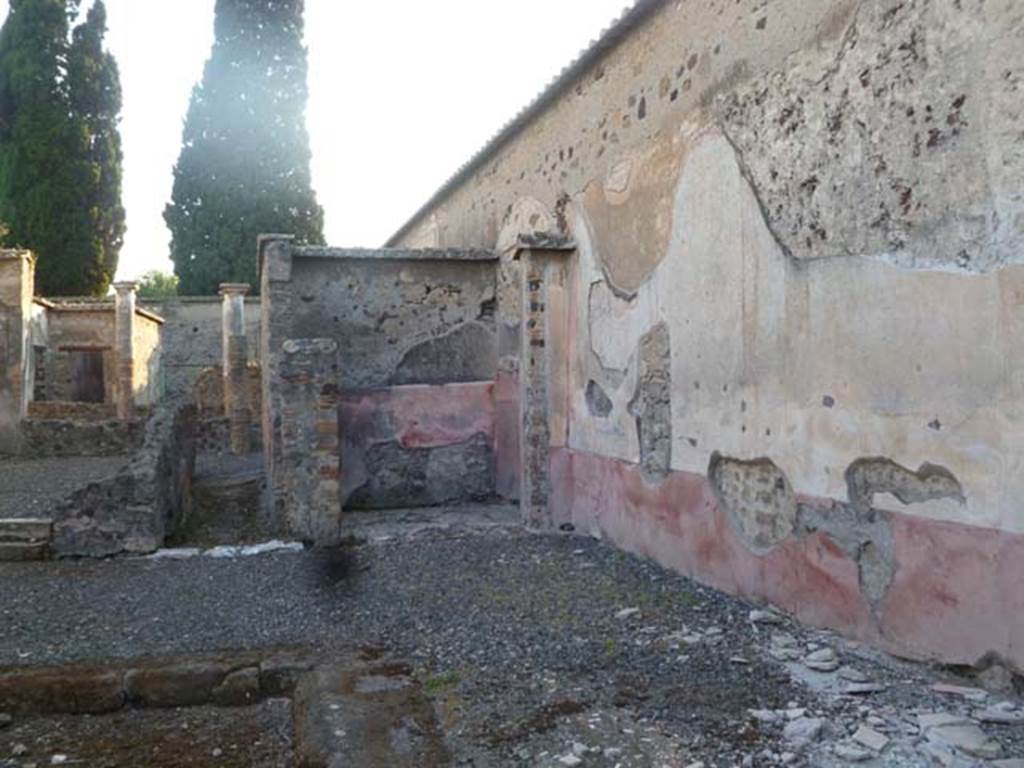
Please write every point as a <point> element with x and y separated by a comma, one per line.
<point>65,410</point>
<point>133,511</point>
<point>53,438</point>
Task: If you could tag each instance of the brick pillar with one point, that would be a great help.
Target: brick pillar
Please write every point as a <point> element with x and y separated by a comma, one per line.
<point>124,348</point>
<point>235,365</point>
<point>540,372</point>
<point>17,284</point>
<point>310,456</point>
<point>274,254</point>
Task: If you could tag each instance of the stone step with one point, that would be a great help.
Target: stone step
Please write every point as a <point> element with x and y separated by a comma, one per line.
<point>26,530</point>
<point>19,552</point>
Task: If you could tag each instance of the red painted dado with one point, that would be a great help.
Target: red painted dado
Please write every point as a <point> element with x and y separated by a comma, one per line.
<point>957,594</point>
<point>506,435</point>
<point>419,416</point>
<point>415,416</point>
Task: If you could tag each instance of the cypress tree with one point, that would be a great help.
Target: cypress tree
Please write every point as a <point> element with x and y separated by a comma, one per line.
<point>244,165</point>
<point>95,89</point>
<point>60,158</point>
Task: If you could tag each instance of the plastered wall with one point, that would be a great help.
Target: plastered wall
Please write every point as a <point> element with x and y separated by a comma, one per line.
<point>797,299</point>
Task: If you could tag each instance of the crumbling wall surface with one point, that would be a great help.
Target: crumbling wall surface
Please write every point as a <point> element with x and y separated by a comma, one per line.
<point>416,317</point>
<point>133,511</point>
<point>147,351</point>
<point>16,286</point>
<point>417,445</point>
<point>901,143</point>
<point>190,338</point>
<point>75,327</point>
<point>797,308</point>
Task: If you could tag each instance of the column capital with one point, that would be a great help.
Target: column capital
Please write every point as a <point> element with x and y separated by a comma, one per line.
<point>234,289</point>
<point>125,287</point>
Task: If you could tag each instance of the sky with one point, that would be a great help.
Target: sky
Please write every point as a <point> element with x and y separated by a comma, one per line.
<point>402,93</point>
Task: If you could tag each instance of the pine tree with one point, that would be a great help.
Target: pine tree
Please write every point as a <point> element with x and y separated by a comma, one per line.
<point>244,165</point>
<point>60,158</point>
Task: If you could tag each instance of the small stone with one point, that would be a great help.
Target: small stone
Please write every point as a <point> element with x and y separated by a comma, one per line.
<point>862,689</point>
<point>803,731</point>
<point>626,613</point>
<point>822,660</point>
<point>997,678</point>
<point>871,738</point>
<point>612,753</point>
<point>974,694</point>
<point>58,759</point>
<point>579,749</point>
<point>217,752</point>
<point>961,735</point>
<point>765,617</point>
<point>19,749</point>
<point>852,753</point>
<point>852,674</point>
<point>698,764</point>
<point>1000,716</point>
<point>5,720</point>
<point>765,715</point>
<point>739,660</point>
<point>570,760</point>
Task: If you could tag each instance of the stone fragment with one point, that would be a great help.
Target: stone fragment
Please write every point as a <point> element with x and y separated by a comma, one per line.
<point>627,613</point>
<point>871,738</point>
<point>852,674</point>
<point>974,694</point>
<point>959,733</point>
<point>851,753</point>
<point>765,617</point>
<point>765,715</point>
<point>183,684</point>
<point>570,760</point>
<point>822,660</point>
<point>61,691</point>
<point>240,688</point>
<point>5,720</point>
<point>1000,716</point>
<point>862,689</point>
<point>802,731</point>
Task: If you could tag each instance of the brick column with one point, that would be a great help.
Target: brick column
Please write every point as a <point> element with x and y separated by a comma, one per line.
<point>17,283</point>
<point>235,365</point>
<point>124,348</point>
<point>310,455</point>
<point>542,261</point>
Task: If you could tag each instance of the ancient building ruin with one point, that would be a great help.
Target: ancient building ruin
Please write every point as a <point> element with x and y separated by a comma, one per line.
<point>741,292</point>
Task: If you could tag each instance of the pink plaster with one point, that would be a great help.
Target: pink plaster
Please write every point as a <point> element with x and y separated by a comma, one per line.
<point>506,435</point>
<point>958,591</point>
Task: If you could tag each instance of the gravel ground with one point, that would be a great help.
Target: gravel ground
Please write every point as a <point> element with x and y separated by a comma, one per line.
<point>177,738</point>
<point>537,650</point>
<point>29,487</point>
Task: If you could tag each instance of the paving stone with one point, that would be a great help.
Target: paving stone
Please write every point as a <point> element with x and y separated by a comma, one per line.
<point>61,690</point>
<point>871,738</point>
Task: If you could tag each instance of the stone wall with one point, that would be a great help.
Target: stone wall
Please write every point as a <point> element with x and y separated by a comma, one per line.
<point>136,509</point>
<point>796,308</point>
<point>191,337</point>
<point>403,324</point>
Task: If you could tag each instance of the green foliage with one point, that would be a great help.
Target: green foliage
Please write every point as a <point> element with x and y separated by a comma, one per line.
<point>244,165</point>
<point>60,150</point>
<point>158,285</point>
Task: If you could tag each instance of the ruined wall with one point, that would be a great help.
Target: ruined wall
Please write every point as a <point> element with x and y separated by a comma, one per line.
<point>146,380</point>
<point>191,337</point>
<point>74,327</point>
<point>796,306</point>
<point>414,335</point>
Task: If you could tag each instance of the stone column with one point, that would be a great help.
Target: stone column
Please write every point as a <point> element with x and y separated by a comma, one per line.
<point>541,375</point>
<point>17,284</point>
<point>124,348</point>
<point>235,365</point>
